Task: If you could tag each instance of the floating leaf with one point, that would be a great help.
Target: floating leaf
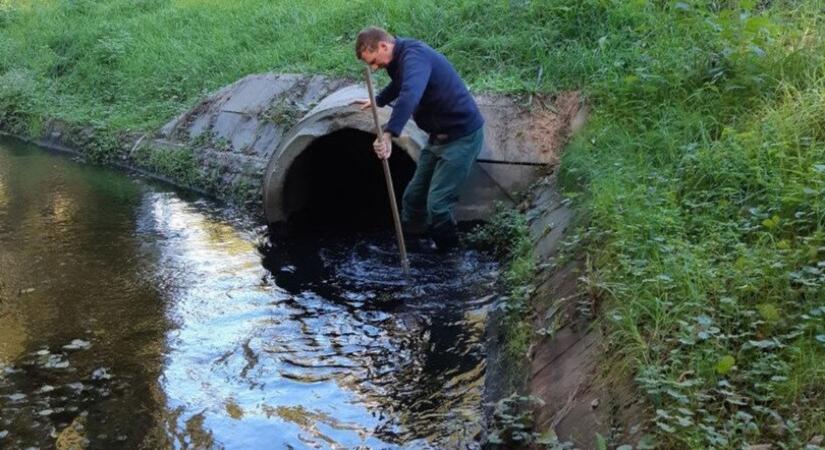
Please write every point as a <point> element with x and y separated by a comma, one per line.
<point>725,364</point>
<point>101,374</point>
<point>77,344</point>
<point>233,409</point>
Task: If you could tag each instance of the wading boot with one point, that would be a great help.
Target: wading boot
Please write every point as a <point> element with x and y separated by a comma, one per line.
<point>445,236</point>
<point>415,235</point>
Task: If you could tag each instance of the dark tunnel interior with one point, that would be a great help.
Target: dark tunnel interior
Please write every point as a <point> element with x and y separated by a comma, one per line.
<point>336,185</point>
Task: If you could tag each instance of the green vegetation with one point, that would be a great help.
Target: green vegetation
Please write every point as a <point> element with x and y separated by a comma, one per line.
<point>700,176</point>
<point>703,178</point>
<point>177,164</point>
<point>507,236</point>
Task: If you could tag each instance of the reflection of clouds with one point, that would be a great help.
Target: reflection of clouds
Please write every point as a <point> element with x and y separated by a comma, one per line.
<point>256,367</point>
<point>215,358</point>
<point>225,236</point>
<point>418,365</point>
<point>63,207</point>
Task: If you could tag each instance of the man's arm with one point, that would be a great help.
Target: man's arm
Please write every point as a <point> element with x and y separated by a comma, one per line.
<point>415,75</point>
<point>387,94</point>
<point>383,98</point>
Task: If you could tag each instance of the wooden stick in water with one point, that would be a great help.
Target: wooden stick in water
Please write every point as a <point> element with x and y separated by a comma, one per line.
<point>399,233</point>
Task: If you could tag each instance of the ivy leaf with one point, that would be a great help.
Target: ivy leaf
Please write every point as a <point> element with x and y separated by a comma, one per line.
<point>725,364</point>
<point>549,437</point>
<point>704,320</point>
<point>762,344</point>
<point>601,442</point>
<point>768,312</point>
<point>665,427</point>
<point>771,223</point>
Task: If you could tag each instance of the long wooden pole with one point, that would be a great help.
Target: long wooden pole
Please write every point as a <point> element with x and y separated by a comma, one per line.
<point>399,233</point>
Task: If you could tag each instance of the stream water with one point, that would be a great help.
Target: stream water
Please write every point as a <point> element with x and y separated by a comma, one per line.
<point>133,315</point>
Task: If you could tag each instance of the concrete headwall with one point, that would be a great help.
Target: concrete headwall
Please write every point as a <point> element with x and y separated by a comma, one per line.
<point>246,136</point>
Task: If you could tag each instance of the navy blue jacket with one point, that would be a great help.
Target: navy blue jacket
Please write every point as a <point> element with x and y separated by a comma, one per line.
<point>425,86</point>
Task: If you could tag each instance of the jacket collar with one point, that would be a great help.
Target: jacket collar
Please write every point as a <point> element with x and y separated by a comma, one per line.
<point>400,44</point>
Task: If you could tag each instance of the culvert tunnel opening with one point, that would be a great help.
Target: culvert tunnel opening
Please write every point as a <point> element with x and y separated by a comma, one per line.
<point>336,185</point>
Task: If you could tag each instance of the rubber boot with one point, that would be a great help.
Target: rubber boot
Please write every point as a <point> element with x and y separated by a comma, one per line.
<point>445,236</point>
<point>413,230</point>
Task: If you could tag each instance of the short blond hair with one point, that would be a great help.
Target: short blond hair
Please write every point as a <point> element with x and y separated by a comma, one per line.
<point>369,38</point>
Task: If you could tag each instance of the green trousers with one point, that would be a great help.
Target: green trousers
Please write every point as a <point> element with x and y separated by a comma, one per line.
<point>431,195</point>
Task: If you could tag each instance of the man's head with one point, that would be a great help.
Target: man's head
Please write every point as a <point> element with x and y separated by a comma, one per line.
<point>374,46</point>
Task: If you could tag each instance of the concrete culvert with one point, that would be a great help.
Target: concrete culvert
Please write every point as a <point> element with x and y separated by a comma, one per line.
<point>324,175</point>
<point>337,184</point>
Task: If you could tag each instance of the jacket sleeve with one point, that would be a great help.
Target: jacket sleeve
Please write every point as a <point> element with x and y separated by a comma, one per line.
<point>415,74</point>
<point>387,94</point>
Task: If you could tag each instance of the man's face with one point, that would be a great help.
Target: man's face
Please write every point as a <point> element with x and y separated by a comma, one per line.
<point>378,58</point>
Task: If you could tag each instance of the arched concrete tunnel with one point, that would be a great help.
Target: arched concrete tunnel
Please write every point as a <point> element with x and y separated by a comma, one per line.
<point>338,183</point>
<point>324,176</point>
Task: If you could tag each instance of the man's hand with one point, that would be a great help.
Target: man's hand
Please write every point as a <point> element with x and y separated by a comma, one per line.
<point>363,103</point>
<point>383,146</point>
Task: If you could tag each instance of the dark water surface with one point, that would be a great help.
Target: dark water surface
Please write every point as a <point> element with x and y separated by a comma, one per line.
<point>135,316</point>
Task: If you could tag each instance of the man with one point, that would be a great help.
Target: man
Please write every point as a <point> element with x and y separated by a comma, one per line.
<point>425,86</point>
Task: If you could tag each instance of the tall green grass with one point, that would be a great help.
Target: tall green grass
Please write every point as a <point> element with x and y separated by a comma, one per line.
<point>701,174</point>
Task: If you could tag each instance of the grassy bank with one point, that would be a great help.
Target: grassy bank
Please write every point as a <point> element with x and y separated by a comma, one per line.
<point>507,236</point>
<point>701,174</point>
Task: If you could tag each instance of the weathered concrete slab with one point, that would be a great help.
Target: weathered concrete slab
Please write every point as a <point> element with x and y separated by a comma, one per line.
<point>247,118</point>
<point>256,94</point>
<point>517,132</point>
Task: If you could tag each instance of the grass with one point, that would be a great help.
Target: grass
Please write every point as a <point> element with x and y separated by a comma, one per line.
<point>176,164</point>
<point>700,175</point>
<point>704,186</point>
